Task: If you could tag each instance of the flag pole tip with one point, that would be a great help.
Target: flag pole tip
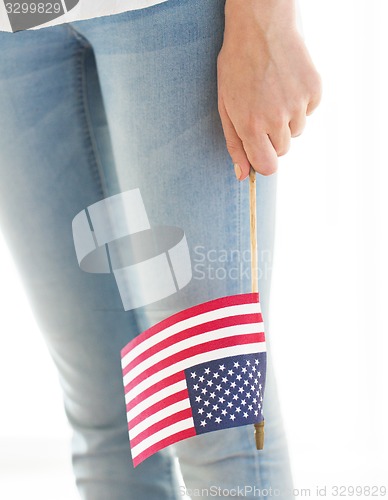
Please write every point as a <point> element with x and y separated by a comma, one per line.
<point>259,435</point>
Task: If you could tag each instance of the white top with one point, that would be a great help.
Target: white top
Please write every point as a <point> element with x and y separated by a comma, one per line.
<point>35,14</point>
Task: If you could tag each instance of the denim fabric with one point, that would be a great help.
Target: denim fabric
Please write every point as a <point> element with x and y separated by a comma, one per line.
<point>92,109</point>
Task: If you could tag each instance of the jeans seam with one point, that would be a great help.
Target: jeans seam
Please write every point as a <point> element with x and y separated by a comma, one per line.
<point>172,465</point>
<point>256,457</point>
<point>94,160</point>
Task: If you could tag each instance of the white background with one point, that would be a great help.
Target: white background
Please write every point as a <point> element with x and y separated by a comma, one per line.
<point>328,311</point>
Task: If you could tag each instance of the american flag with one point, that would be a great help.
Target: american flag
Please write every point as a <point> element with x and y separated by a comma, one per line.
<point>200,370</point>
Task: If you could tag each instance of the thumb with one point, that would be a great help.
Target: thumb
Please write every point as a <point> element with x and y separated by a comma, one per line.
<point>234,144</point>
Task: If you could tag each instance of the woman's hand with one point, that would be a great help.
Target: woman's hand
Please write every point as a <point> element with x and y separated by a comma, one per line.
<point>267,83</point>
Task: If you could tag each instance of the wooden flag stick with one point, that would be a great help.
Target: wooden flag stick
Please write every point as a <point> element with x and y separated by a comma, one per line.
<point>253,230</point>
<point>259,428</point>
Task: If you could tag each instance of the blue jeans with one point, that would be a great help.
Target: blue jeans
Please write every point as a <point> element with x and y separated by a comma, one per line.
<point>99,107</point>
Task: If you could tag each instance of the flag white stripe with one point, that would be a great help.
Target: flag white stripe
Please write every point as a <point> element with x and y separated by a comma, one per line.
<point>220,333</point>
<point>154,398</point>
<point>159,416</point>
<point>224,312</point>
<point>162,434</point>
<point>204,357</point>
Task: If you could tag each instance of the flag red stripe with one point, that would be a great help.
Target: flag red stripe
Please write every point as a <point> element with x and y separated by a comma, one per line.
<point>160,405</point>
<point>161,384</point>
<point>216,324</point>
<point>170,420</point>
<point>198,349</point>
<point>233,300</point>
<point>174,438</point>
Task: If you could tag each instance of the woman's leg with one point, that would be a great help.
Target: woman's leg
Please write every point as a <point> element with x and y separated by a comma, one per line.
<point>55,160</point>
<point>157,69</point>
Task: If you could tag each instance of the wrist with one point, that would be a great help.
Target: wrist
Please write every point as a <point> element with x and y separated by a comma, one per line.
<point>270,18</point>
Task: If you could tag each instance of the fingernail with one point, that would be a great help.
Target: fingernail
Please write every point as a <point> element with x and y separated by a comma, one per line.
<point>237,171</point>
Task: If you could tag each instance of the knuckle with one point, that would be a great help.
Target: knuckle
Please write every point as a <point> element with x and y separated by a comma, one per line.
<point>266,169</point>
<point>281,151</point>
<point>298,124</point>
<point>262,166</point>
<point>254,160</point>
<point>318,82</point>
<point>277,121</point>
<point>316,87</point>
<point>297,106</point>
<point>296,132</point>
<point>252,127</point>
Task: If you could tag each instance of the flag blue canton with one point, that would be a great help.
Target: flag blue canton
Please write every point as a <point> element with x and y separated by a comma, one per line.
<point>227,392</point>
